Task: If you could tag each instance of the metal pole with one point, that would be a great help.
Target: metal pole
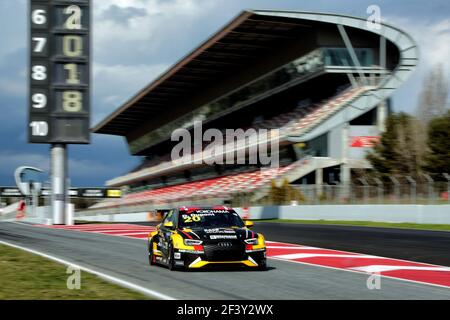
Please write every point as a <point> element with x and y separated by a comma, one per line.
<point>396,188</point>
<point>365,189</point>
<point>35,202</point>
<point>380,192</point>
<point>351,52</point>
<point>430,187</point>
<point>413,192</point>
<point>58,178</point>
<point>447,176</point>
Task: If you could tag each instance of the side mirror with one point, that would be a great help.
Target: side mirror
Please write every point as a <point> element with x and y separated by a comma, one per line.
<point>248,223</point>
<point>168,225</point>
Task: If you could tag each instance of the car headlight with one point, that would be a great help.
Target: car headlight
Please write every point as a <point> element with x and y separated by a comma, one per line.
<point>253,241</point>
<point>192,242</point>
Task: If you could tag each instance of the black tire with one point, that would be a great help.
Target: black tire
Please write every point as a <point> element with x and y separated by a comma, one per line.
<point>262,266</point>
<point>151,256</point>
<point>170,259</point>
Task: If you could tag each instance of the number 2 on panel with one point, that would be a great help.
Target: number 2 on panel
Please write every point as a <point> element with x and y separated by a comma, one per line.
<point>73,22</point>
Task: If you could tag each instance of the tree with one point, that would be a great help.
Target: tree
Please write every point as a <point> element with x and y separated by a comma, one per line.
<point>437,158</point>
<point>433,98</point>
<point>284,194</point>
<point>276,196</point>
<point>400,149</point>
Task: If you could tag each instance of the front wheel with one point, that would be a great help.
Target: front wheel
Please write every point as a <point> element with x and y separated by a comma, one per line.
<point>262,266</point>
<point>151,254</point>
<point>170,259</point>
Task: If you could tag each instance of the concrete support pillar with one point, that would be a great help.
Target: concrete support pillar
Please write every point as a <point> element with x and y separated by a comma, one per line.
<point>319,181</point>
<point>58,177</point>
<point>345,181</point>
<point>381,116</point>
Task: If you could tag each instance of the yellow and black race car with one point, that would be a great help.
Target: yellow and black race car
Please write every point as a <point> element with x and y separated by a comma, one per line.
<point>203,237</point>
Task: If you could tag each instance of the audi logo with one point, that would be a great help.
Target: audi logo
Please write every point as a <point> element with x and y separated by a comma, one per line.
<point>225,244</point>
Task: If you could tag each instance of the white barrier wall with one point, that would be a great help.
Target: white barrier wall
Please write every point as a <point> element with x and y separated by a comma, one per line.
<point>9,210</point>
<point>41,215</point>
<point>427,214</point>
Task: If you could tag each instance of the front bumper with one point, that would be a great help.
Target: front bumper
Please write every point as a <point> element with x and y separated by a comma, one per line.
<point>196,260</point>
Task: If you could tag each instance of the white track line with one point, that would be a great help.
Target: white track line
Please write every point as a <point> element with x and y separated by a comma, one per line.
<point>297,246</point>
<point>123,283</point>
<point>385,268</point>
<point>342,251</point>
<point>361,272</point>
<point>294,248</point>
<point>293,256</point>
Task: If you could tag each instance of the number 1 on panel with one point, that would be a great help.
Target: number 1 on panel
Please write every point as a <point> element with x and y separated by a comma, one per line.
<point>72,71</point>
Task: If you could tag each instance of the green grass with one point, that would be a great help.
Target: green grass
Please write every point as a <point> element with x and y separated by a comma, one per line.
<point>25,276</point>
<point>436,227</point>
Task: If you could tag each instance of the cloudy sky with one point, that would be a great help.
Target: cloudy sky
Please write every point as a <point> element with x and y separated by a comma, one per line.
<point>136,40</point>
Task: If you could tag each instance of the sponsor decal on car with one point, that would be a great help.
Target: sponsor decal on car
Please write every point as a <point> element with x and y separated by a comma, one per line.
<point>217,230</point>
<point>219,236</point>
<point>212,211</point>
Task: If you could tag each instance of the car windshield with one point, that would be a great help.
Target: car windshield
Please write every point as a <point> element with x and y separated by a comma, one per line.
<point>210,219</point>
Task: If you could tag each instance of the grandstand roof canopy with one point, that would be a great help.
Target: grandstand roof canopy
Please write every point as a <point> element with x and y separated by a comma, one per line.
<point>248,36</point>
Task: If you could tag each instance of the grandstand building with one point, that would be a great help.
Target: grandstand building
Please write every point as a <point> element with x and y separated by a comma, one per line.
<point>323,80</point>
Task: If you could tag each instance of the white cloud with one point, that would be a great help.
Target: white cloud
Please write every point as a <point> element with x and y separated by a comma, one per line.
<point>433,39</point>
<point>114,84</point>
<point>80,168</point>
<point>141,35</point>
<point>10,160</point>
<point>129,55</point>
<point>13,23</point>
<point>12,87</point>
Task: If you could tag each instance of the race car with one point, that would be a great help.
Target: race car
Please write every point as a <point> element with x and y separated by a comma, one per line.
<point>192,238</point>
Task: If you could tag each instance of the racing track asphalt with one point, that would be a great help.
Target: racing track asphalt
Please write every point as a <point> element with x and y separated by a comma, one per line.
<point>413,245</point>
<point>127,259</point>
<point>407,244</point>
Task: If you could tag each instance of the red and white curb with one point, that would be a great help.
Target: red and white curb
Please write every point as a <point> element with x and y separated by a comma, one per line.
<point>342,260</point>
<point>123,230</point>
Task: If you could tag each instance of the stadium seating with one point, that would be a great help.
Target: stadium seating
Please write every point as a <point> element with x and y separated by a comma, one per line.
<point>221,187</point>
<point>305,117</point>
<point>301,119</point>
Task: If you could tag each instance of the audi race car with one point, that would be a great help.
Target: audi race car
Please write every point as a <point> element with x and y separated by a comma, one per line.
<point>203,237</point>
